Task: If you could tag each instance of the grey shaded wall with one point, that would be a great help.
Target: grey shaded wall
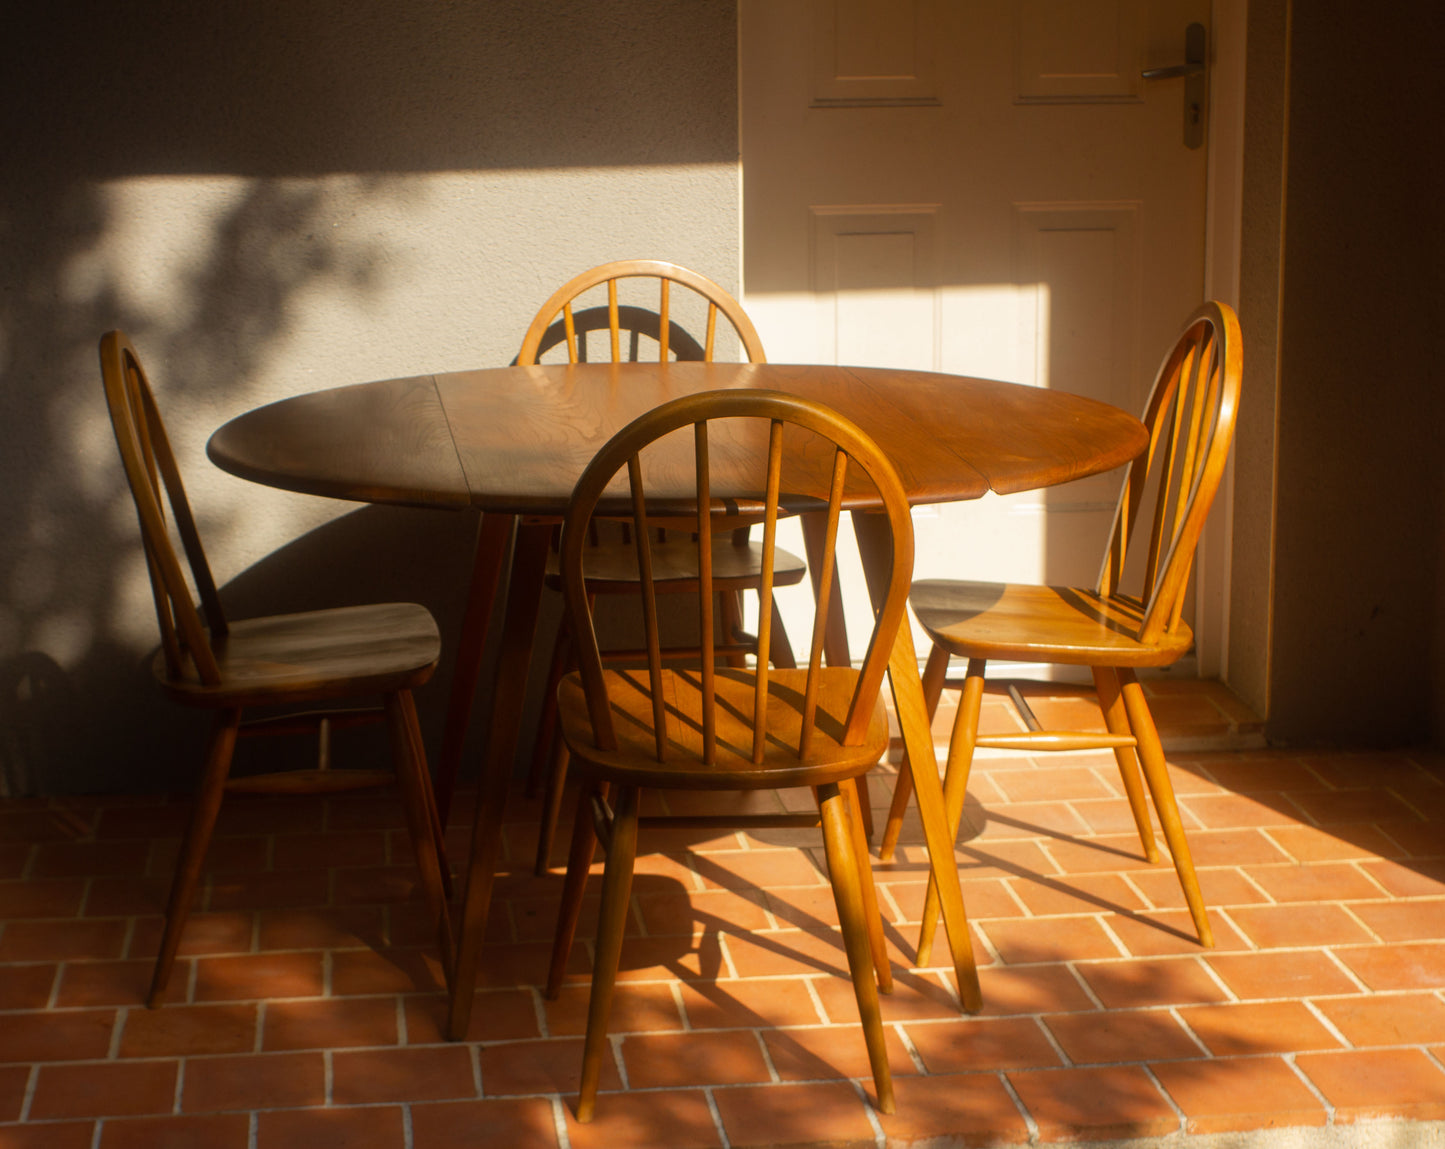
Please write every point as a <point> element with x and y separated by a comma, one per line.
<point>1357,648</point>
<point>273,199</point>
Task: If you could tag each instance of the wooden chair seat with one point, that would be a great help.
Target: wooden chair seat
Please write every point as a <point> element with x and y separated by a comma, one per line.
<point>682,766</point>
<point>1066,626</point>
<point>315,656</point>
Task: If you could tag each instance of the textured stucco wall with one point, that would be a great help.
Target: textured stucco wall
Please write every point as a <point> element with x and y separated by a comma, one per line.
<point>273,199</point>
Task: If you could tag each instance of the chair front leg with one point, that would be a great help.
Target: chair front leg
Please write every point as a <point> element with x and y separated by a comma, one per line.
<point>856,794</point>
<point>1111,703</point>
<point>961,744</point>
<point>611,926</point>
<point>579,862</point>
<point>1156,774</point>
<point>843,870</point>
<point>219,749</point>
<point>934,675</point>
<point>421,824</point>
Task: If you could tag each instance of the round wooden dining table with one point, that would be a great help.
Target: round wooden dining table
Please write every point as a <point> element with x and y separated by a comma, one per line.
<point>512,441</point>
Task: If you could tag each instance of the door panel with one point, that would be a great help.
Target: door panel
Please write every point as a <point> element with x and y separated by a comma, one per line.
<point>986,188</point>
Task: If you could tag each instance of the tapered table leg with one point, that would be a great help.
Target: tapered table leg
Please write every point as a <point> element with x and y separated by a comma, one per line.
<point>875,548</point>
<point>523,598</point>
<point>494,540</point>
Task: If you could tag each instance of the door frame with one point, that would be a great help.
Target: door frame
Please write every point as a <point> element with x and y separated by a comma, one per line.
<point>1223,228</point>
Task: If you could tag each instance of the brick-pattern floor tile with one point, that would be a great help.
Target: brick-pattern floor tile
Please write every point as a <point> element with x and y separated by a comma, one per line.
<point>61,940</point>
<point>1394,1019</point>
<point>216,1131</point>
<point>726,1057</point>
<point>41,898</point>
<point>821,1052</point>
<point>1257,1027</point>
<point>1305,924</point>
<point>679,1119</point>
<point>27,986</point>
<point>1110,1102</point>
<point>528,1067</point>
<point>177,1031</point>
<point>351,927</point>
<point>49,1135</point>
<point>1413,921</point>
<point>1237,1094</point>
<point>1272,975</point>
<point>425,1073</point>
<point>80,1035</point>
<point>521,1122</point>
<point>1127,1036</point>
<point>260,1081</point>
<point>983,1044</point>
<point>974,1109</point>
<point>112,1089</point>
<point>117,983</point>
<point>13,1082</point>
<point>1029,940</point>
<point>497,1015</point>
<point>635,1009</point>
<point>1373,1083</point>
<point>368,971</point>
<point>337,1023</point>
<point>258,975</point>
<point>1325,881</point>
<point>1137,982</point>
<point>791,1114</point>
<point>1420,966</point>
<point>368,1127</point>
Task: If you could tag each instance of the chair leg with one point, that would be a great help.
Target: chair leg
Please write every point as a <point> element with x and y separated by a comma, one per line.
<point>219,749</point>
<point>542,748</point>
<point>579,861</point>
<point>955,786</point>
<point>428,794</point>
<point>611,925</point>
<point>843,869</point>
<point>1111,702</point>
<point>780,649</point>
<point>934,674</point>
<point>1156,774</point>
<point>551,807</point>
<point>730,616</point>
<point>410,770</point>
<point>871,914</point>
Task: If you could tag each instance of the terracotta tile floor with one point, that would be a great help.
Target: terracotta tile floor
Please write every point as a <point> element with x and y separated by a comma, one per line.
<point>306,1009</point>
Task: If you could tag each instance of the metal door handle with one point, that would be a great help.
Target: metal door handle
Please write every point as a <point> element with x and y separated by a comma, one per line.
<point>1173,72</point>
<point>1194,72</point>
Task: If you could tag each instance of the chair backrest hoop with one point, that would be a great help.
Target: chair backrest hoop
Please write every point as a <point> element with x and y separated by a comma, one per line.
<point>155,480</point>
<point>1191,416</point>
<point>851,448</point>
<point>666,273</point>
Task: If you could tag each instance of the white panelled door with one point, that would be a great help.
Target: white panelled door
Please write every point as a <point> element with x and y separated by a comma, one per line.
<point>986,187</point>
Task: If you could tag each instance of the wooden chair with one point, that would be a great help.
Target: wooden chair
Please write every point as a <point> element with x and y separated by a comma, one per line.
<point>1113,631</point>
<point>612,566</point>
<point>725,728</point>
<point>227,666</point>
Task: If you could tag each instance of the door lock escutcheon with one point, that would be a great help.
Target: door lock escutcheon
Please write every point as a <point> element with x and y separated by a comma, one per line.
<point>1195,74</point>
